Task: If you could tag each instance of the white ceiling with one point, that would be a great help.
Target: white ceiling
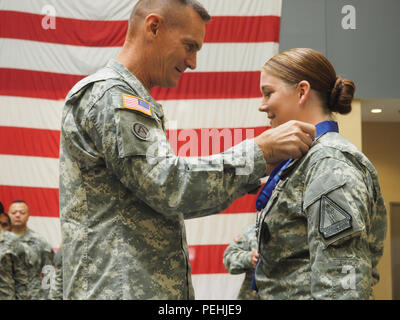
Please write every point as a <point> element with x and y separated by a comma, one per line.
<point>390,110</point>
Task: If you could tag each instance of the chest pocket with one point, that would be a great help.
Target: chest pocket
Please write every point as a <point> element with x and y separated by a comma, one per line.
<point>264,234</point>
<point>139,135</point>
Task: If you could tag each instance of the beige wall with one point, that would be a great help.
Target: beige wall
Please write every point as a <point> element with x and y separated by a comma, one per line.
<point>350,124</point>
<point>381,141</point>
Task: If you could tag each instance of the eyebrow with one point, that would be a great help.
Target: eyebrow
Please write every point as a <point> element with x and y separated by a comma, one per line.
<point>266,87</point>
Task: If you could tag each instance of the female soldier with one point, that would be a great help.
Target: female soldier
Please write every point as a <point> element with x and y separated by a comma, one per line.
<point>321,232</point>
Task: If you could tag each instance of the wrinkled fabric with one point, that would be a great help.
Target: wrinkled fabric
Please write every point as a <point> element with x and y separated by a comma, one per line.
<point>237,259</point>
<point>56,286</point>
<point>39,254</point>
<point>14,280</point>
<point>124,194</point>
<point>321,234</point>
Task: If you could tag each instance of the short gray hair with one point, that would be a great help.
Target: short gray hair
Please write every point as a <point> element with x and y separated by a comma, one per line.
<point>142,7</point>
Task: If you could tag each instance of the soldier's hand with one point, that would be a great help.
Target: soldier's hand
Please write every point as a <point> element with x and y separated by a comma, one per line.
<point>254,258</point>
<point>289,140</point>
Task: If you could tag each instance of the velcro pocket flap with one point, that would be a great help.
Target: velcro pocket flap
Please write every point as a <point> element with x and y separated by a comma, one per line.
<point>320,187</point>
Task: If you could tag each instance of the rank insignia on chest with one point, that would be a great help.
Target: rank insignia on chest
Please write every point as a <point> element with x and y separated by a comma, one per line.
<point>332,218</point>
<point>137,104</point>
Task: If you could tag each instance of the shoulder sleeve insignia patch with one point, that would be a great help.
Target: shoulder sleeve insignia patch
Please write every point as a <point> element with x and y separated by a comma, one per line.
<point>238,237</point>
<point>332,218</point>
<point>137,104</point>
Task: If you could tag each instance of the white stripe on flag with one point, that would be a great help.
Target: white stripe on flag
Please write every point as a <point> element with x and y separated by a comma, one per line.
<point>50,228</point>
<point>30,113</point>
<point>180,114</point>
<point>222,286</point>
<point>121,9</point>
<point>29,171</point>
<point>68,59</point>
<point>213,229</point>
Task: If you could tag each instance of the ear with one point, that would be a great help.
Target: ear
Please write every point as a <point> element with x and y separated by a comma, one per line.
<point>303,91</point>
<point>152,24</point>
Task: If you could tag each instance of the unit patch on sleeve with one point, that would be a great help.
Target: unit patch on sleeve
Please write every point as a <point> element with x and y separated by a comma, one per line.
<point>140,131</point>
<point>332,218</point>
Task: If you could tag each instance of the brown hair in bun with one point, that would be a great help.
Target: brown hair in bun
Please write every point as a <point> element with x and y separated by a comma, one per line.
<point>295,65</point>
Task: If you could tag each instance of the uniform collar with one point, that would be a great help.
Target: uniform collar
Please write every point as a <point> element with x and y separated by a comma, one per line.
<point>135,85</point>
<point>322,128</point>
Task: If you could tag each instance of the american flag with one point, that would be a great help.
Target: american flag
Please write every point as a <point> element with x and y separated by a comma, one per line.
<point>46,46</point>
<point>135,103</point>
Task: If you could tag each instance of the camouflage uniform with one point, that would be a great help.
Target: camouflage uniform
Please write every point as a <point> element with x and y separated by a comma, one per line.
<point>124,194</point>
<point>13,271</point>
<point>237,259</point>
<point>321,234</point>
<point>56,287</point>
<point>39,254</point>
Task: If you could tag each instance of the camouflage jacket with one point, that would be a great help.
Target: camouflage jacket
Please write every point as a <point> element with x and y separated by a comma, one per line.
<point>39,254</point>
<point>124,193</point>
<point>237,259</point>
<point>56,284</point>
<point>14,279</point>
<point>321,234</point>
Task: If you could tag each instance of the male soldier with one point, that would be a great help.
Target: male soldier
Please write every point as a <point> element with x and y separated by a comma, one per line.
<point>14,279</point>
<point>241,257</point>
<point>123,191</point>
<point>38,251</point>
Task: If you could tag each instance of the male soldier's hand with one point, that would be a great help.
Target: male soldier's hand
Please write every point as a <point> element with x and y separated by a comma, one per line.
<point>289,140</point>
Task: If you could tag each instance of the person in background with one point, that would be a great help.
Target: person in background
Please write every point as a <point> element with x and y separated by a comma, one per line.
<point>5,222</point>
<point>322,220</point>
<point>241,257</point>
<point>39,252</point>
<point>14,279</point>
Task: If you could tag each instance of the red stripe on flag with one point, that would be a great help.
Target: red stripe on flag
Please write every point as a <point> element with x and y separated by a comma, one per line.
<point>245,204</point>
<point>185,142</point>
<point>36,84</point>
<point>206,259</point>
<point>243,29</point>
<point>98,33</point>
<point>192,85</point>
<point>212,85</point>
<point>29,142</point>
<point>42,202</point>
<point>208,141</point>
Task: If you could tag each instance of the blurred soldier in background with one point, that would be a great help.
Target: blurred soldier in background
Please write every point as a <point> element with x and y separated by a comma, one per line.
<point>241,257</point>
<point>14,279</point>
<point>39,252</point>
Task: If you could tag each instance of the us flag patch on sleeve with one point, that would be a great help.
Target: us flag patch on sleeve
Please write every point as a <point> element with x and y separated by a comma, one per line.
<point>137,104</point>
